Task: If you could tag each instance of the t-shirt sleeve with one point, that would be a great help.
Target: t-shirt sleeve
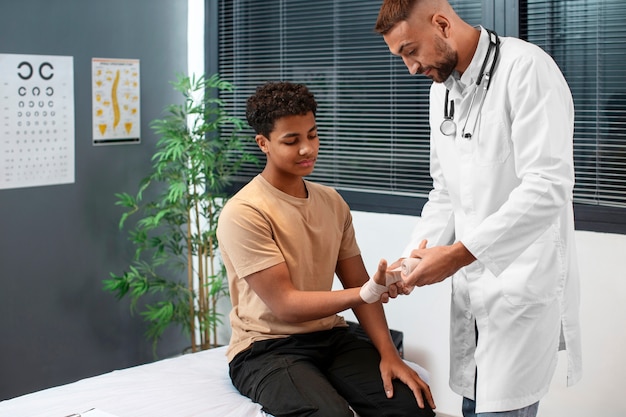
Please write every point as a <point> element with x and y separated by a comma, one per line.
<point>246,239</point>
<point>349,246</point>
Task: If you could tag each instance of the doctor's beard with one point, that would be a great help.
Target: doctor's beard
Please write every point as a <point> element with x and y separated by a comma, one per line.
<point>444,67</point>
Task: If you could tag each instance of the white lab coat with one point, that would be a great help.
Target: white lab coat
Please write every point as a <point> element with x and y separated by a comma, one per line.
<point>507,195</point>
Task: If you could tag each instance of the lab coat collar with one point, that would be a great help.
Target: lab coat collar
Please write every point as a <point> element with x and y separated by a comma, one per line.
<point>460,86</point>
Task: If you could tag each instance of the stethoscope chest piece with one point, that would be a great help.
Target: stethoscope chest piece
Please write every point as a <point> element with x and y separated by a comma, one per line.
<point>448,126</point>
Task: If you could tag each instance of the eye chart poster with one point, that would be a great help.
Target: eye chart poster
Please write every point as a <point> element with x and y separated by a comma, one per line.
<point>115,93</point>
<point>37,133</point>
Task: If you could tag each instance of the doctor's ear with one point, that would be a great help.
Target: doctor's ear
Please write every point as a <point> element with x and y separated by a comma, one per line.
<point>442,24</point>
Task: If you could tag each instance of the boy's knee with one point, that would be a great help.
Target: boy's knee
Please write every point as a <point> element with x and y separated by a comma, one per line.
<point>404,403</point>
<point>323,409</point>
<point>334,409</point>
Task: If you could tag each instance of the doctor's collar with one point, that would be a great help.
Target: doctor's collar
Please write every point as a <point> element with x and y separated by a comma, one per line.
<point>457,83</point>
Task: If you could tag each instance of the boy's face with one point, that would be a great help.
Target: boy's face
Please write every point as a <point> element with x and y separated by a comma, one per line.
<point>292,147</point>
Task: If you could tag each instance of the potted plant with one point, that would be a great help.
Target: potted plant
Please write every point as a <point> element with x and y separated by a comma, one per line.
<point>196,157</point>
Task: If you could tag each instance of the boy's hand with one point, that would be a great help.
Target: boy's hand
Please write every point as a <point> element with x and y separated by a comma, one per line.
<point>376,287</point>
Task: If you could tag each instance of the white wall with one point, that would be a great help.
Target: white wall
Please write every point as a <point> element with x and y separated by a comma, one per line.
<point>424,315</point>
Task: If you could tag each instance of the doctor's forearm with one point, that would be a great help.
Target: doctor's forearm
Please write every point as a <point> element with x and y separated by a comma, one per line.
<point>461,256</point>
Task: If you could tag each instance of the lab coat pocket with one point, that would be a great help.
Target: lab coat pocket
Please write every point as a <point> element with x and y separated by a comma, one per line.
<point>492,143</point>
<point>533,278</point>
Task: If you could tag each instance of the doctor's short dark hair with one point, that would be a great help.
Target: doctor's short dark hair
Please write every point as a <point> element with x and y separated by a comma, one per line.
<point>277,99</point>
<point>393,12</point>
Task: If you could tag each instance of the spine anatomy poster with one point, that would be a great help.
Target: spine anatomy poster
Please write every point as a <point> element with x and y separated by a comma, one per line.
<point>37,134</point>
<point>115,91</point>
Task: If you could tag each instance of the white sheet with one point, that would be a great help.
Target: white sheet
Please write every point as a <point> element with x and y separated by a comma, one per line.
<point>190,385</point>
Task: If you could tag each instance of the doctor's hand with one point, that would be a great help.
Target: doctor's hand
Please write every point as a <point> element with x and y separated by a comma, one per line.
<point>438,263</point>
<point>394,274</point>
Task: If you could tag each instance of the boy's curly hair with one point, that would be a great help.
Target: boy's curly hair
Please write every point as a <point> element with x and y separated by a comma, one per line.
<point>274,100</point>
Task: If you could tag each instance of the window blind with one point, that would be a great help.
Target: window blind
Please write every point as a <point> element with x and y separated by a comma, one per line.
<point>587,39</point>
<point>372,115</point>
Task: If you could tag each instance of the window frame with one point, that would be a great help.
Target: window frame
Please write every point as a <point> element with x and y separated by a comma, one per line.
<point>504,17</point>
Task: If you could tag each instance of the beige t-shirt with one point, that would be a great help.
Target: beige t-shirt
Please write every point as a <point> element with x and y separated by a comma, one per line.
<point>261,227</point>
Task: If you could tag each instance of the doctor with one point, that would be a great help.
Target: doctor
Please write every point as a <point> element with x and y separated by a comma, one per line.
<point>499,219</point>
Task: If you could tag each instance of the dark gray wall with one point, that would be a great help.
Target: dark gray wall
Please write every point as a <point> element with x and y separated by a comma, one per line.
<point>58,242</point>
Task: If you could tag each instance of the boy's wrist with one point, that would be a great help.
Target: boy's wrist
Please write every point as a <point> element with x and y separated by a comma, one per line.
<point>371,291</point>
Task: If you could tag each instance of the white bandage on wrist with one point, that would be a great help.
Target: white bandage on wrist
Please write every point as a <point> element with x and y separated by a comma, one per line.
<point>371,291</point>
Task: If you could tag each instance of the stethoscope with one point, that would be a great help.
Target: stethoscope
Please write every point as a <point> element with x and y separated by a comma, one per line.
<point>448,125</point>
